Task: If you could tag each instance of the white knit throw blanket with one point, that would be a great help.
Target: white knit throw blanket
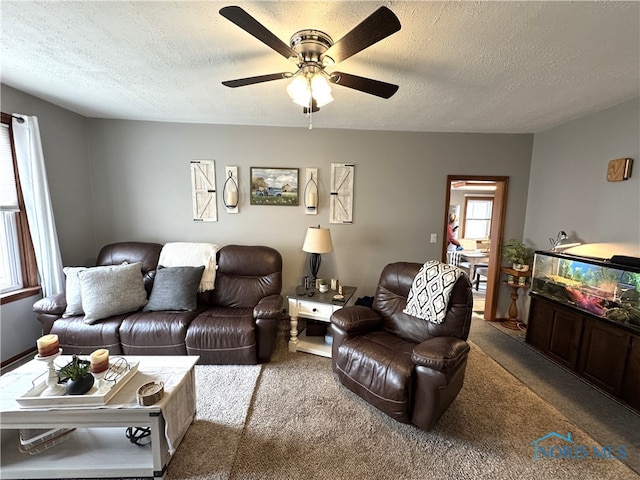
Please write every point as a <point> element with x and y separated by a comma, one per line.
<point>430,291</point>
<point>185,254</point>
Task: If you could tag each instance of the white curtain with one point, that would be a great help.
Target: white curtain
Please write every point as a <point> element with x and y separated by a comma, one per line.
<point>37,202</point>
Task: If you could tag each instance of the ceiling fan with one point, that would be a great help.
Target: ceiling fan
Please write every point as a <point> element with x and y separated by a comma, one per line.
<point>313,51</point>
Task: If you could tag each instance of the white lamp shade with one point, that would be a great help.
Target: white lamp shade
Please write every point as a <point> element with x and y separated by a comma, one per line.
<point>318,240</point>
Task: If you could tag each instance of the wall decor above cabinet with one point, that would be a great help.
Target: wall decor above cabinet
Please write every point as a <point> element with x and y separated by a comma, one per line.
<point>619,169</point>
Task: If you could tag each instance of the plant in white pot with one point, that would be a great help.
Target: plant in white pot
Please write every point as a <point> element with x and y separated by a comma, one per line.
<point>518,254</point>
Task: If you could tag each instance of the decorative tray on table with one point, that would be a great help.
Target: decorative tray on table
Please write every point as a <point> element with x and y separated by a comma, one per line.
<point>119,373</point>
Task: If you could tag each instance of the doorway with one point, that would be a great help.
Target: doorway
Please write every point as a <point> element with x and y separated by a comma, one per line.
<point>469,197</point>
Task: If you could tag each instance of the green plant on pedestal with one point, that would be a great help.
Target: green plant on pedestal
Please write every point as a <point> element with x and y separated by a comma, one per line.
<point>518,254</point>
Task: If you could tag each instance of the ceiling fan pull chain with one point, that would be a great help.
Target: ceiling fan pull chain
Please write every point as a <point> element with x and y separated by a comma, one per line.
<point>310,106</point>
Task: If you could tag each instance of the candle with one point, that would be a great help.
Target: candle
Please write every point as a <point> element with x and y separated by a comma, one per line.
<point>231,198</point>
<point>99,360</point>
<point>312,199</point>
<point>48,345</point>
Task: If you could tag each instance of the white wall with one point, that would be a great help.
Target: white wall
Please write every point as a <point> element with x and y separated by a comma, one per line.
<point>142,189</point>
<point>64,142</point>
<point>568,188</point>
<point>19,328</point>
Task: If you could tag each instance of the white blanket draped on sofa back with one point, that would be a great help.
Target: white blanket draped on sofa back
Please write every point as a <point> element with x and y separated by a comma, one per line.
<point>186,254</point>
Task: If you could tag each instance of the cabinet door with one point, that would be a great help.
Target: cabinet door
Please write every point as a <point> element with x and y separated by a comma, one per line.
<point>631,380</point>
<point>603,355</point>
<point>565,337</point>
<point>539,324</point>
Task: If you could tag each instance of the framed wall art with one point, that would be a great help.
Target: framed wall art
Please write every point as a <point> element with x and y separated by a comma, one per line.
<point>274,186</point>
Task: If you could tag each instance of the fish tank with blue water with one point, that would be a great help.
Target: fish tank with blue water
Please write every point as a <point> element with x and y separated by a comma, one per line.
<point>609,289</point>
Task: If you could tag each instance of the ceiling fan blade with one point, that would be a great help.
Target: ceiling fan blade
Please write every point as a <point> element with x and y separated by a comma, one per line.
<point>366,85</point>
<point>249,24</point>
<point>377,26</point>
<point>241,82</point>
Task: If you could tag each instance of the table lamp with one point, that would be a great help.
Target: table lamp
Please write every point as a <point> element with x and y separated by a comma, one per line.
<point>317,242</point>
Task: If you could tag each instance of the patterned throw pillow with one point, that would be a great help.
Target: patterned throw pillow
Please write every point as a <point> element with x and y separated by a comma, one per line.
<point>175,288</point>
<point>111,290</point>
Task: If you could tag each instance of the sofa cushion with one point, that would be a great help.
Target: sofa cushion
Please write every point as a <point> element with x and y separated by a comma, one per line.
<point>75,336</point>
<point>175,288</point>
<point>111,290</point>
<point>223,335</point>
<point>72,291</point>
<point>155,333</point>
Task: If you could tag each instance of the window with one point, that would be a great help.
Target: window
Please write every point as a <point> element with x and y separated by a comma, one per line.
<point>17,259</point>
<point>478,217</point>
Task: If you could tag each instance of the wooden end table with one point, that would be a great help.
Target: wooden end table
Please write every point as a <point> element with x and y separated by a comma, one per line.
<point>314,305</point>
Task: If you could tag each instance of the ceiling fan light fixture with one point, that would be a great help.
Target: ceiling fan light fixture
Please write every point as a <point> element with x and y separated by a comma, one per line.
<point>303,88</point>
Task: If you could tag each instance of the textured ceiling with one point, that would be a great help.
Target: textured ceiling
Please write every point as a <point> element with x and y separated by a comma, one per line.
<point>509,67</point>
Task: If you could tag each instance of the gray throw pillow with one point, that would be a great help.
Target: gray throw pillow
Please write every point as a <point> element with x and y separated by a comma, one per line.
<point>175,288</point>
<point>72,292</point>
<point>111,290</point>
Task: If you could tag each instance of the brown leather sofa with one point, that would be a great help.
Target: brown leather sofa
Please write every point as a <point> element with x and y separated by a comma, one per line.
<point>236,323</point>
<point>410,369</point>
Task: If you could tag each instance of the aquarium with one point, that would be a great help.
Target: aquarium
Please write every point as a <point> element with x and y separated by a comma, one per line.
<point>597,286</point>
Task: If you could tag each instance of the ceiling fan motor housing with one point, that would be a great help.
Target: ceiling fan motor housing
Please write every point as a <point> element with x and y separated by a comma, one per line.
<point>310,45</point>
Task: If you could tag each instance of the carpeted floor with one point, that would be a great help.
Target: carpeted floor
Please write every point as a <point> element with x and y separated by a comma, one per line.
<point>602,416</point>
<point>291,419</point>
<point>303,425</point>
<point>209,447</point>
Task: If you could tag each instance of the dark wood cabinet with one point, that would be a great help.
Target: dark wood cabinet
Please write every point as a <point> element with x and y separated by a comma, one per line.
<point>606,355</point>
<point>630,391</point>
<point>565,337</point>
<point>540,324</point>
<point>603,355</point>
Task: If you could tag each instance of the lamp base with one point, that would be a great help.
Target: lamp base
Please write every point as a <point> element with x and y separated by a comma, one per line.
<point>314,263</point>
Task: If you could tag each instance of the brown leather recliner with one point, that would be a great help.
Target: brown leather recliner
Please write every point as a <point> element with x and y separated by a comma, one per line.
<point>410,369</point>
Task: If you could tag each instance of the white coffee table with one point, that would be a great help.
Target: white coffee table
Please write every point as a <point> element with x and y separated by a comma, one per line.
<point>99,448</point>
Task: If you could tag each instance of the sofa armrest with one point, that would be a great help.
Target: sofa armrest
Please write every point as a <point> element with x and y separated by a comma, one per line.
<point>356,319</point>
<point>269,307</point>
<point>440,353</point>
<point>54,304</point>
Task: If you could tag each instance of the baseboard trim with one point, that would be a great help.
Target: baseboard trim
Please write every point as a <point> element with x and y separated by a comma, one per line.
<point>15,358</point>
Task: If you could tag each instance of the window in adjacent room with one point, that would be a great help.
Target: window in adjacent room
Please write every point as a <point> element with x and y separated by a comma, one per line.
<point>17,259</point>
<point>478,217</point>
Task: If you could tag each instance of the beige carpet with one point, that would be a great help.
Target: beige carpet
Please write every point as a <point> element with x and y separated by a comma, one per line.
<point>208,449</point>
<point>303,425</point>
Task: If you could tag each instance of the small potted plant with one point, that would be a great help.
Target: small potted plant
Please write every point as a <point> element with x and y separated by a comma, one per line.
<point>518,254</point>
<point>323,285</point>
<point>76,375</point>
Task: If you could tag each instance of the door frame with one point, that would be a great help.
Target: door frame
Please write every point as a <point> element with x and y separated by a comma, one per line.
<point>497,234</point>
